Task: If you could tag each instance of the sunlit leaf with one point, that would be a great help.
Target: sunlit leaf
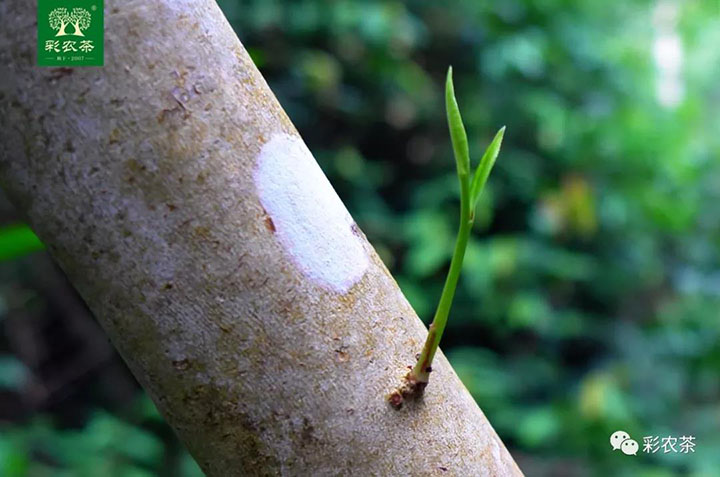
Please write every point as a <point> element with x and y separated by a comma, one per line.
<point>17,241</point>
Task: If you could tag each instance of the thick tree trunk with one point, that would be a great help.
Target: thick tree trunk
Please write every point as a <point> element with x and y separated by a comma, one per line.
<point>177,196</point>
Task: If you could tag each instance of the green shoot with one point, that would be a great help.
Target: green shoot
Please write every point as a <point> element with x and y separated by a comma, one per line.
<point>470,191</point>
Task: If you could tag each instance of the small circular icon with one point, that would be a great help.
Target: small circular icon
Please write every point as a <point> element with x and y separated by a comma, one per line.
<point>629,447</point>
<point>617,438</point>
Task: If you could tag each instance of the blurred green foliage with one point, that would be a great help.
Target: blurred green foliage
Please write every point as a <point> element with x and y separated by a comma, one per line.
<point>122,446</point>
<point>591,288</point>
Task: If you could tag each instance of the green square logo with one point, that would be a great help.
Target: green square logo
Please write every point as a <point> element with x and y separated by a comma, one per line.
<point>70,33</point>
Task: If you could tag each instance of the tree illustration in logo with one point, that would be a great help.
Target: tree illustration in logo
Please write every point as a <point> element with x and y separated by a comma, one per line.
<point>60,18</point>
<point>80,20</point>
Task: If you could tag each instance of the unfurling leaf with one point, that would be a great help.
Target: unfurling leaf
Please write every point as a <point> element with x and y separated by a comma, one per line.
<point>457,129</point>
<point>486,164</point>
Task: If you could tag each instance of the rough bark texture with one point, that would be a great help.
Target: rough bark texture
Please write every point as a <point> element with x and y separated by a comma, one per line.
<point>139,178</point>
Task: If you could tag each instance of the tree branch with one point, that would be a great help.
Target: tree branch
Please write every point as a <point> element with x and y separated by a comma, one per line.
<point>157,184</point>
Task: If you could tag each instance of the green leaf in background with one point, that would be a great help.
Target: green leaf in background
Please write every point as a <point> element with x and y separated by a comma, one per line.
<point>14,461</point>
<point>17,241</point>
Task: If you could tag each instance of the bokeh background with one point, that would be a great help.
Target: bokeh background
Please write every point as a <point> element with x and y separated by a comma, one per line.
<point>590,296</point>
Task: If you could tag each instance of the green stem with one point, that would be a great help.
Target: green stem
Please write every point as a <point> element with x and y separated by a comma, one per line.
<point>421,372</point>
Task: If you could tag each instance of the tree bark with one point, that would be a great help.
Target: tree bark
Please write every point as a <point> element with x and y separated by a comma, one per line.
<point>176,195</point>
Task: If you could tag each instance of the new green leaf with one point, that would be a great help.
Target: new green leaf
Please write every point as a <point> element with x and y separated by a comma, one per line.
<point>486,164</point>
<point>458,135</point>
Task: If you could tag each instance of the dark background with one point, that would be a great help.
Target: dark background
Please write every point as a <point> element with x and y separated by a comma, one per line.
<point>589,300</point>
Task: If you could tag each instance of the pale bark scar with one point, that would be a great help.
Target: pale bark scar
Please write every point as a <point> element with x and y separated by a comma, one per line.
<point>309,220</point>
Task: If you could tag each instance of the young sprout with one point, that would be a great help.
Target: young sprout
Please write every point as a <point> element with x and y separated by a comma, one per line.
<point>470,190</point>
